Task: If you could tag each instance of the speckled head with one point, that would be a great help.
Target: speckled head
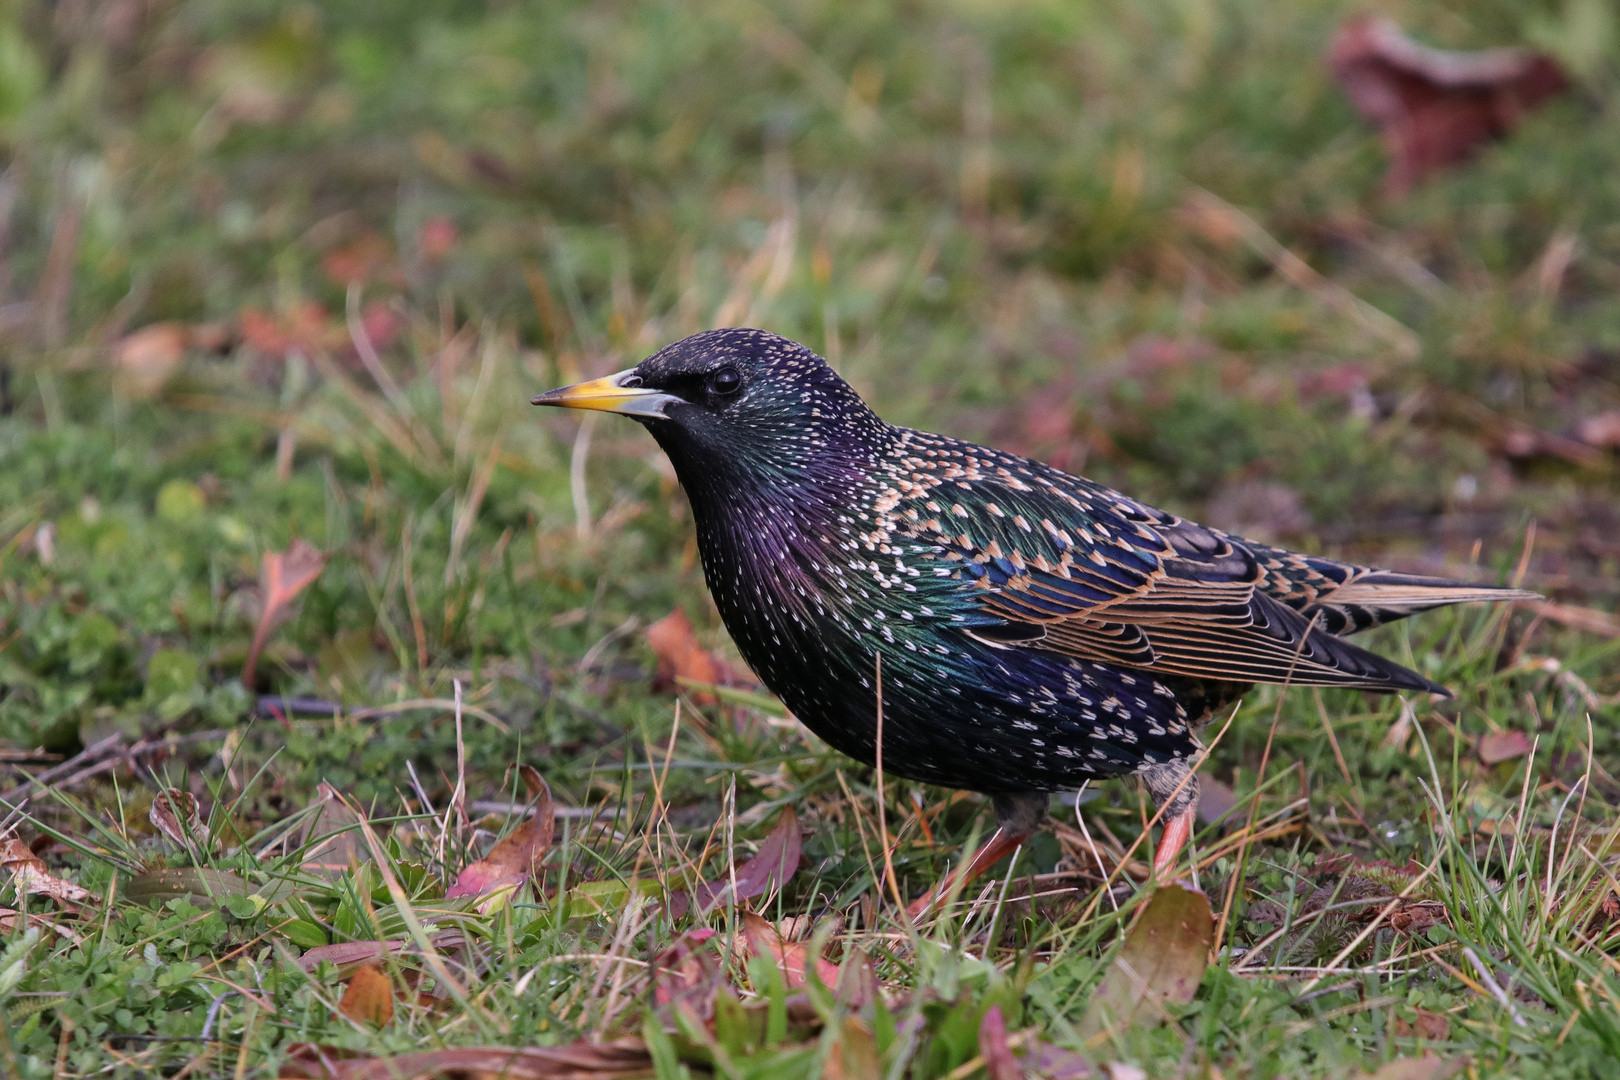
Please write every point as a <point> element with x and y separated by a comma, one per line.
<point>727,403</point>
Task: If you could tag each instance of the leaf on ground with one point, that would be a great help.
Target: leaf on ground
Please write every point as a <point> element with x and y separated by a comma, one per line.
<point>791,958</point>
<point>145,360</point>
<point>11,918</point>
<point>513,859</point>
<point>1498,746</point>
<point>1427,1067</point>
<point>174,813</point>
<point>369,997</point>
<point>348,953</point>
<point>581,1060</point>
<point>283,576</point>
<point>854,1055</point>
<point>1162,960</point>
<point>199,884</point>
<point>1424,1025</point>
<point>30,875</point>
<point>775,864</point>
<point>1055,1063</point>
<point>331,842</point>
<point>999,1061</point>
<point>1435,108</point>
<point>675,644</point>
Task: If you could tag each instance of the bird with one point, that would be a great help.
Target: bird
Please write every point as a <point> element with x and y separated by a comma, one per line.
<point>1023,630</point>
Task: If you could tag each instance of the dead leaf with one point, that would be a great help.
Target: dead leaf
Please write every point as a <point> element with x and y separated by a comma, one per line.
<point>174,813</point>
<point>513,858</point>
<point>1163,960</point>
<point>854,1056</point>
<point>576,1061</point>
<point>675,644</point>
<point>145,360</point>
<point>1055,1063</point>
<point>776,862</point>
<point>29,874</point>
<point>999,1062</point>
<point>305,328</point>
<point>792,959</point>
<point>369,997</point>
<point>347,954</point>
<point>11,917</point>
<point>1424,1025</point>
<point>1215,800</point>
<point>359,260</point>
<point>1435,108</point>
<point>284,575</point>
<point>1601,430</point>
<point>1427,1067</point>
<point>1497,746</point>
<point>334,844</point>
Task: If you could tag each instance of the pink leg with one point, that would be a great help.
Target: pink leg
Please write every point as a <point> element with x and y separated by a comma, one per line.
<point>1002,844</point>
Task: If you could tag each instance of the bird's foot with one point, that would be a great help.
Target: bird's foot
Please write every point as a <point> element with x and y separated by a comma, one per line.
<point>1002,844</point>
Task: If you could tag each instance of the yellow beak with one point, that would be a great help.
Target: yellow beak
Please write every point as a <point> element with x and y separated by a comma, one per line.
<point>610,394</point>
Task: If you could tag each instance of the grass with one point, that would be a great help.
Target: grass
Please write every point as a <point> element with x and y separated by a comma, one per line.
<point>1052,227</point>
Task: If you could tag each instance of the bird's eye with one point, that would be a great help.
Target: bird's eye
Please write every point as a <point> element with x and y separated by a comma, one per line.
<point>725,382</point>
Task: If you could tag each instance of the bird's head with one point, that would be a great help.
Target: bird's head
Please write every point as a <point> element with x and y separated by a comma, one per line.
<point>725,398</point>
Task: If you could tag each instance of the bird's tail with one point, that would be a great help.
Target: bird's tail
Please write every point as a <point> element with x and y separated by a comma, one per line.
<point>1382,596</point>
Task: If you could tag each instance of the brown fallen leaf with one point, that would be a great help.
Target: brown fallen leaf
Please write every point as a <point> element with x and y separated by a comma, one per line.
<point>675,644</point>
<point>346,954</point>
<point>174,813</point>
<point>283,576</point>
<point>369,997</point>
<point>776,862</point>
<point>1497,746</point>
<point>1055,1063</point>
<point>332,837</point>
<point>146,359</point>
<point>10,918</point>
<point>513,858</point>
<point>581,1060</point>
<point>1427,1067</point>
<point>791,958</point>
<point>29,874</point>
<point>1434,108</point>
<point>1424,1025</point>
<point>1162,960</point>
<point>999,1061</point>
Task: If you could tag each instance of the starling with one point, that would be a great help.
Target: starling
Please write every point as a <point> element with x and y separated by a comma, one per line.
<point>1036,630</point>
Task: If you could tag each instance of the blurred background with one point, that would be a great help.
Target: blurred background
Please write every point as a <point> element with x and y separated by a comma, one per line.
<point>274,272</point>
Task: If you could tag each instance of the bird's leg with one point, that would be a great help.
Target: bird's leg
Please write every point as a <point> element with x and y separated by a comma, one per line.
<point>1018,817</point>
<point>1174,788</point>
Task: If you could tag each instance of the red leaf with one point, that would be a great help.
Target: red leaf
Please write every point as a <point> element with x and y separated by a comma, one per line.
<point>791,958</point>
<point>680,656</point>
<point>512,860</point>
<point>776,862</point>
<point>998,1056</point>
<point>1435,108</point>
<point>284,575</point>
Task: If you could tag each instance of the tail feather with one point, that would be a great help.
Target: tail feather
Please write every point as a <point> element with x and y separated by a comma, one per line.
<point>1383,596</point>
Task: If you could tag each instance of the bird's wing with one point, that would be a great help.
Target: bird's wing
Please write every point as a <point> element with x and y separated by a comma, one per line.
<point>1056,562</point>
